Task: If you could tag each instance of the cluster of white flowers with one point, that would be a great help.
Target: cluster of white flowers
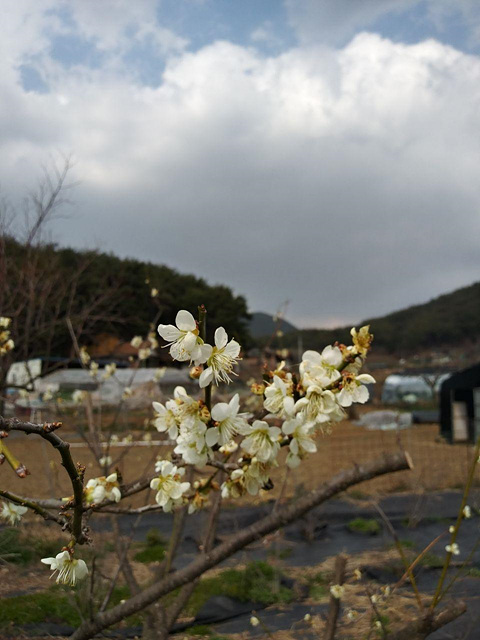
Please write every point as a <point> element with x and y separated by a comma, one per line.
<point>6,343</point>
<point>104,488</point>
<point>168,485</point>
<point>299,406</point>
<point>186,345</point>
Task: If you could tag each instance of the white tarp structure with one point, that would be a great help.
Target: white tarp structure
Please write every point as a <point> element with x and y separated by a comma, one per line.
<point>110,391</point>
<point>21,373</point>
<point>410,388</point>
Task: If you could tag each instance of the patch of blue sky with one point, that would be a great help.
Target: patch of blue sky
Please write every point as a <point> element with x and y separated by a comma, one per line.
<point>72,50</point>
<point>416,25</point>
<point>31,79</point>
<point>204,22</point>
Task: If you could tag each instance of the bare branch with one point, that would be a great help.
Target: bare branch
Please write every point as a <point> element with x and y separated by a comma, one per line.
<point>388,463</point>
<point>34,506</point>
<point>46,431</point>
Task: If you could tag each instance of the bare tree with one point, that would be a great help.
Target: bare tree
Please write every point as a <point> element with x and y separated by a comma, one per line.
<point>36,291</point>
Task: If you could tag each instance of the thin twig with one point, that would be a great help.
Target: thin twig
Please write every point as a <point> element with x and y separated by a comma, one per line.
<point>448,557</point>
<point>334,606</point>
<point>401,553</point>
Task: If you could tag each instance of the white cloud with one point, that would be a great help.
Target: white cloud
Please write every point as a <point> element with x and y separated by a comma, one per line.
<point>345,180</point>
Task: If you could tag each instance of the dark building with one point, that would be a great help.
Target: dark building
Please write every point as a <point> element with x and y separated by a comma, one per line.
<point>460,406</point>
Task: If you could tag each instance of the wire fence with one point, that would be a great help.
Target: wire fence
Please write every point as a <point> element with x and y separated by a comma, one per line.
<point>437,464</point>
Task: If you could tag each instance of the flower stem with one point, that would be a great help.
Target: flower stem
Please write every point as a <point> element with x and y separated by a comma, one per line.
<point>202,327</point>
<point>446,564</point>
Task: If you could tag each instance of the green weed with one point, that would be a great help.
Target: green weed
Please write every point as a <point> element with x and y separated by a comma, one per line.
<point>366,526</point>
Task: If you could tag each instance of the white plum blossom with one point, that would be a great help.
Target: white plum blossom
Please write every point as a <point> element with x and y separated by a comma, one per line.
<point>166,418</point>
<point>12,513</point>
<point>168,485</point>
<point>453,549</point>
<point>104,488</point>
<point>362,340</point>
<point>84,356</point>
<point>191,444</point>
<point>278,398</point>
<point>262,441</point>
<point>228,422</point>
<point>321,369</point>
<point>127,393</point>
<point>250,478</point>
<point>136,342</point>
<point>152,339</point>
<point>301,441</point>
<point>257,475</point>
<point>6,343</point>
<point>337,591</point>
<point>93,369</point>
<point>49,393</point>
<point>78,396</point>
<point>145,353</point>
<point>183,339</point>
<point>105,461</point>
<point>220,359</point>
<point>69,569</point>
<point>353,389</point>
<point>467,511</point>
<point>109,371</point>
<point>318,406</point>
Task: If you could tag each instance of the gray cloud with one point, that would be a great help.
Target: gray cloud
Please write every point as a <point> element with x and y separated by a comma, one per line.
<point>344,180</point>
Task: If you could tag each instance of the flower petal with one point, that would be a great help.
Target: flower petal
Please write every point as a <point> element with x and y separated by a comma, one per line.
<point>221,411</point>
<point>212,436</point>
<point>221,338</point>
<point>185,321</point>
<point>168,332</point>
<point>81,569</point>
<point>232,349</point>
<point>206,377</point>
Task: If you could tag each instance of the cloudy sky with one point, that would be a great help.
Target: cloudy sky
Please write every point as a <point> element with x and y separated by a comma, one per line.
<point>321,151</point>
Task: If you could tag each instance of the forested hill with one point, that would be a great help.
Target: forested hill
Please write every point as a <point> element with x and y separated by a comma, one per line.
<point>449,320</point>
<point>115,294</point>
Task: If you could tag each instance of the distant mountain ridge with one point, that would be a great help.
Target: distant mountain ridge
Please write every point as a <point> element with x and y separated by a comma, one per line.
<point>448,320</point>
<point>262,325</point>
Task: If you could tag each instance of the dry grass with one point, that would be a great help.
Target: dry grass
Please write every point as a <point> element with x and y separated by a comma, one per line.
<point>438,465</point>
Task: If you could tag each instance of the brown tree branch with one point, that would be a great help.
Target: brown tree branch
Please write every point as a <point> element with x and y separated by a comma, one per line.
<point>424,626</point>
<point>34,506</point>
<point>388,463</point>
<point>46,431</point>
